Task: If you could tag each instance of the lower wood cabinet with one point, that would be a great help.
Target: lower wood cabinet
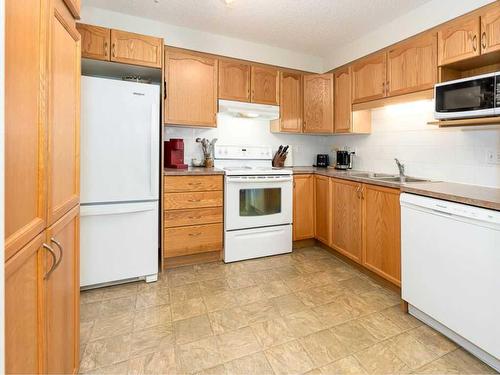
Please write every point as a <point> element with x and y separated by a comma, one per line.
<point>303,207</point>
<point>382,232</point>
<point>192,219</point>
<point>322,219</point>
<point>42,299</point>
<point>347,218</point>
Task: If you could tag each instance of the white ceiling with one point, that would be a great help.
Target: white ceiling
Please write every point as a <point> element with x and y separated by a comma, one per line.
<point>314,27</point>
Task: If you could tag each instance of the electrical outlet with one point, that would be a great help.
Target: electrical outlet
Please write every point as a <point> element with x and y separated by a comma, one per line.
<point>493,157</point>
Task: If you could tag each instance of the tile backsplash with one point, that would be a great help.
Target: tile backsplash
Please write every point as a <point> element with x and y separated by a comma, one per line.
<point>398,131</point>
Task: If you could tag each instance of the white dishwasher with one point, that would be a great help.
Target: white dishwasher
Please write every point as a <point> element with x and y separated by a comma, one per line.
<point>450,255</point>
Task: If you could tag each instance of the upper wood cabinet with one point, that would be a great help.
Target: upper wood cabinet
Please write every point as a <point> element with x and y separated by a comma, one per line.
<point>74,7</point>
<point>343,107</point>
<point>23,299</point>
<point>490,30</point>
<point>382,239</point>
<point>96,41</point>
<point>25,124</point>
<point>412,65</point>
<point>322,196</point>
<point>234,80</point>
<point>136,49</point>
<point>64,118</point>
<point>459,40</point>
<point>318,103</point>
<point>303,207</point>
<point>290,120</point>
<point>265,87</point>
<point>62,290</point>
<point>347,218</point>
<point>369,78</point>
<point>191,89</point>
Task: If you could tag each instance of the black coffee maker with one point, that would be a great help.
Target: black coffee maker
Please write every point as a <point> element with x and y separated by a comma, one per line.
<point>344,160</point>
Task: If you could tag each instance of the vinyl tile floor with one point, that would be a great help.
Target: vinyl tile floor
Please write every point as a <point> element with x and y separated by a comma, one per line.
<point>301,313</point>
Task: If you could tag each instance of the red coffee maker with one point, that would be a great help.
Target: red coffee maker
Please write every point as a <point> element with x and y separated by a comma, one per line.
<point>174,153</point>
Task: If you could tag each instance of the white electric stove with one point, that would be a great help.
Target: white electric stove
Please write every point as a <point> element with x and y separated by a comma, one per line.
<point>257,203</point>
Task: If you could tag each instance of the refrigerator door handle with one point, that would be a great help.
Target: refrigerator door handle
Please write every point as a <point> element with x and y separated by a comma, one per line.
<point>154,152</point>
<point>116,209</point>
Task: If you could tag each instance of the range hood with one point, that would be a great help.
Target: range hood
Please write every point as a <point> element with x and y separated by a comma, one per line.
<point>249,110</point>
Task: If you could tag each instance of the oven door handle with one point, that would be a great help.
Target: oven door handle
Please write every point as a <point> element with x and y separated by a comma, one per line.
<point>257,179</point>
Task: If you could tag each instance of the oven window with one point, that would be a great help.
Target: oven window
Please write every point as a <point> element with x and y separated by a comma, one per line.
<point>260,202</point>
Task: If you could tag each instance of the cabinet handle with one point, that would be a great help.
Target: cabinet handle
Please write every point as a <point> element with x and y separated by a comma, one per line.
<point>474,43</point>
<point>483,40</point>
<point>164,90</point>
<point>194,217</point>
<point>194,234</point>
<point>59,246</point>
<point>106,49</point>
<point>194,183</point>
<point>54,261</point>
<point>358,191</point>
<point>194,200</point>
<point>113,50</point>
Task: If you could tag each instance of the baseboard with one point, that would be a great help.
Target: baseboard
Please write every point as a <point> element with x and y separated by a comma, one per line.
<point>187,260</point>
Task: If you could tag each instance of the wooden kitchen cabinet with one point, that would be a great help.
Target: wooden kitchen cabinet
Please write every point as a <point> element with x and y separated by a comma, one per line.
<point>234,80</point>
<point>96,41</point>
<point>382,232</point>
<point>290,120</point>
<point>459,40</point>
<point>369,78</point>
<point>322,210</point>
<point>412,65</point>
<point>136,49</point>
<point>265,86</point>
<point>347,218</point>
<point>74,7</point>
<point>25,124</point>
<point>490,30</point>
<point>192,219</point>
<point>64,116</point>
<point>318,103</point>
<point>62,290</point>
<point>343,105</point>
<point>191,89</point>
<point>23,301</point>
<point>303,207</point>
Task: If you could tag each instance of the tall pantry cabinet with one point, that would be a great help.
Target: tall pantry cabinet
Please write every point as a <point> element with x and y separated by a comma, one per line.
<point>42,99</point>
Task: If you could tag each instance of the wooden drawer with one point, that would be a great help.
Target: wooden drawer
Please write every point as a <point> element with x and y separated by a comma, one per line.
<point>194,239</point>
<point>177,201</point>
<point>196,216</point>
<point>172,184</point>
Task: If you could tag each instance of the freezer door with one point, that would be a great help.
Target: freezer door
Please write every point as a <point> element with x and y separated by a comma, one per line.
<point>118,242</point>
<point>119,141</point>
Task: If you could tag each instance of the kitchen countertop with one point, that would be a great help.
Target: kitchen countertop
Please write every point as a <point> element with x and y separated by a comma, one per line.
<point>467,194</point>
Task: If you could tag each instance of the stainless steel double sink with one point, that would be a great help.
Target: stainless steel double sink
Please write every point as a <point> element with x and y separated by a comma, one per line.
<point>386,177</point>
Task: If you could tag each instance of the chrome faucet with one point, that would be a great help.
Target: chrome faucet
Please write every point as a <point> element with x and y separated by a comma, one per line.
<point>401,168</point>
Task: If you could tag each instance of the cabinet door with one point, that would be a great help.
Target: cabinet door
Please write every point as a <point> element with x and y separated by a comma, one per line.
<point>23,324</point>
<point>490,30</point>
<point>343,108</point>
<point>322,221</point>
<point>234,80</point>
<point>191,89</point>
<point>265,85</point>
<point>318,103</point>
<point>291,102</point>
<point>136,49</point>
<point>368,78</point>
<point>458,40</point>
<point>412,65</point>
<point>382,235</point>
<point>64,114</point>
<point>303,207</point>
<point>347,218</point>
<point>95,41</point>
<point>62,289</point>
<point>25,125</point>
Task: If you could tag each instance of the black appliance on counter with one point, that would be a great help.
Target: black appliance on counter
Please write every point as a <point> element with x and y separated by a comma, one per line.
<point>344,160</point>
<point>322,161</point>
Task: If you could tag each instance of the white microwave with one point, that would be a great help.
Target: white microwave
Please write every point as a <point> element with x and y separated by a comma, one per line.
<point>470,97</point>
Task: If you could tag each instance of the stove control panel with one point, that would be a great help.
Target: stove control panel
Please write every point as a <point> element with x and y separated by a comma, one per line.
<point>243,152</point>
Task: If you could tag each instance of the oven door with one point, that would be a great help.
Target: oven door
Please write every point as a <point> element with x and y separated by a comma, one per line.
<point>466,98</point>
<point>257,201</point>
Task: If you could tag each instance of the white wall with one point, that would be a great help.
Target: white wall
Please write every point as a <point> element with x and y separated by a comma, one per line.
<point>419,19</point>
<point>235,131</point>
<point>400,131</point>
<point>203,41</point>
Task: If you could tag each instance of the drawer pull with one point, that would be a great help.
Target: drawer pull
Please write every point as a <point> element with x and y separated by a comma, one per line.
<point>194,217</point>
<point>195,234</point>
<point>194,183</point>
<point>194,200</point>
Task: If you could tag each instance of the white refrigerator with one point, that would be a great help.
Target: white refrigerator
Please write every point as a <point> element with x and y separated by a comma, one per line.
<point>119,181</point>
